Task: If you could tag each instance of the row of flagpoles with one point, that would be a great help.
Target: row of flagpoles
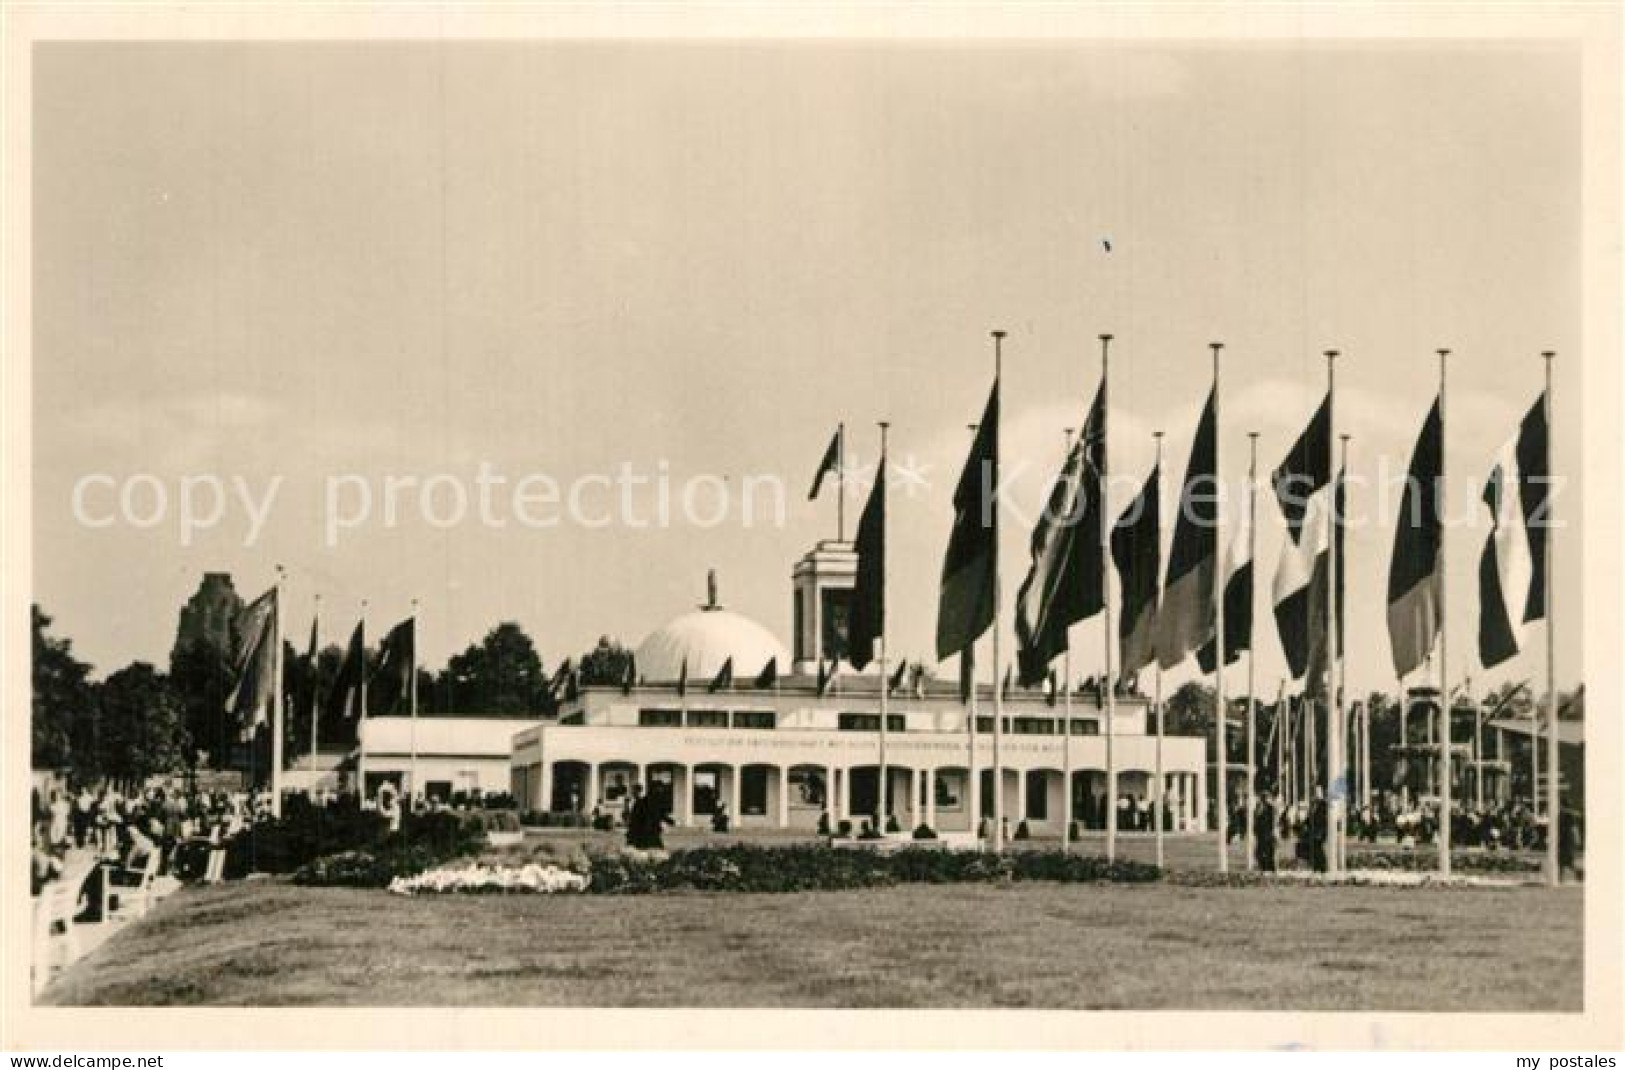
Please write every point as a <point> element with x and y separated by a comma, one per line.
<point>1203,603</point>
<point>260,694</point>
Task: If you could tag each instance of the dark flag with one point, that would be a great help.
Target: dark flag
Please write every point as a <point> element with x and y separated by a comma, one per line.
<point>1066,582</point>
<point>768,678</point>
<point>898,677</point>
<point>682,678</point>
<point>1137,553</point>
<point>1238,600</point>
<point>1305,471</point>
<point>1187,615</point>
<point>724,679</point>
<point>829,465</point>
<point>255,689</point>
<point>866,621</point>
<point>965,603</point>
<point>1511,572</point>
<point>1413,573</point>
<point>389,689</point>
<point>967,673</point>
<point>826,676</point>
<point>344,695</point>
<point>305,702</point>
<point>1304,491</point>
<point>1050,690</point>
<point>560,680</point>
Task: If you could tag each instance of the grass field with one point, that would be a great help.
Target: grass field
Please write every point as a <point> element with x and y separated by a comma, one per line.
<point>1139,947</point>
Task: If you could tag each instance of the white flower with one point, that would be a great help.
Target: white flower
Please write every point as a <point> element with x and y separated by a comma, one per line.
<point>528,879</point>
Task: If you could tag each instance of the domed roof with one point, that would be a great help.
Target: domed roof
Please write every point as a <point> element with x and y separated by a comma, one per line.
<point>706,638</point>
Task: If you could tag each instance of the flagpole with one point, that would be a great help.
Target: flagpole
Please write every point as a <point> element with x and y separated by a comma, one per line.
<point>1554,798</point>
<point>840,482</point>
<point>973,777</point>
<point>1252,680</point>
<point>412,670</point>
<point>1162,785</point>
<point>277,712</point>
<point>1221,707</point>
<point>1110,683</point>
<point>998,595</point>
<point>1444,674</point>
<point>315,701</point>
<point>883,818</point>
<point>1066,722</point>
<point>361,716</point>
<point>1335,785</point>
<point>1344,794</point>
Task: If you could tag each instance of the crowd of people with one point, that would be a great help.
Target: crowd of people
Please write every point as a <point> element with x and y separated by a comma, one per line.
<point>110,837</point>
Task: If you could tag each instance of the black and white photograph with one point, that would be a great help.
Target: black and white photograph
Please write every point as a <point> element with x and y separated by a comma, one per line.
<point>1014,521</point>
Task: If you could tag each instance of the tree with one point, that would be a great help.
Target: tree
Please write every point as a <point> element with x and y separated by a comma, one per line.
<point>605,663</point>
<point>202,665</point>
<point>1189,710</point>
<point>63,715</point>
<point>501,674</point>
<point>143,729</point>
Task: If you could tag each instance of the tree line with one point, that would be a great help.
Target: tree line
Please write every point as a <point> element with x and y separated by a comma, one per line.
<point>143,720</point>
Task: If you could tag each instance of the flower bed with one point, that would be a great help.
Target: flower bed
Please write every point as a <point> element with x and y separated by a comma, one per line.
<point>491,880</point>
<point>1428,859</point>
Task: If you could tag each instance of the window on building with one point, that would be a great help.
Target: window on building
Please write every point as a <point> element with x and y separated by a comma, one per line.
<point>801,625</point>
<point>868,722</point>
<point>753,790</point>
<point>949,788</point>
<point>1086,728</point>
<point>755,719</point>
<point>660,718</point>
<point>708,718</point>
<point>1034,726</point>
<point>984,725</point>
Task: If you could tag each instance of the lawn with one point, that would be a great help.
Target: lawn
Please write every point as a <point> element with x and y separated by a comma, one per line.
<point>1139,947</point>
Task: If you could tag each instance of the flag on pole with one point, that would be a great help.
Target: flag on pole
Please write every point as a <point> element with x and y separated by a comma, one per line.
<point>1066,582</point>
<point>1413,574</point>
<point>1511,572</point>
<point>724,679</point>
<point>305,701</point>
<point>866,620</point>
<point>1137,553</point>
<point>768,678</point>
<point>1238,598</point>
<point>830,465</point>
<point>390,686</point>
<point>967,673</point>
<point>1188,613</point>
<point>629,677</point>
<point>1299,590</point>
<point>344,695</point>
<point>1306,471</point>
<point>898,677</point>
<point>966,600</point>
<point>826,676</point>
<point>255,690</point>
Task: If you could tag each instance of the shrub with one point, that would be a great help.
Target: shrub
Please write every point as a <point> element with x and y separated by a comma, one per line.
<point>844,829</point>
<point>924,832</point>
<point>306,832</point>
<point>496,800</point>
<point>603,823</point>
<point>823,823</point>
<point>869,832</point>
<point>1074,831</point>
<point>891,824</point>
<point>1022,832</point>
<point>502,821</point>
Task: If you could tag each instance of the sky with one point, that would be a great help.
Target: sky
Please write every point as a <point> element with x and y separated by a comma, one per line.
<point>349,262</point>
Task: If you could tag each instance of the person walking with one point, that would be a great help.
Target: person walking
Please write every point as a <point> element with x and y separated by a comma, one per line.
<point>1264,834</point>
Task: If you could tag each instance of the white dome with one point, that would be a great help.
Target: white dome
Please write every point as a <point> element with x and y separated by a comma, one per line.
<point>706,638</point>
